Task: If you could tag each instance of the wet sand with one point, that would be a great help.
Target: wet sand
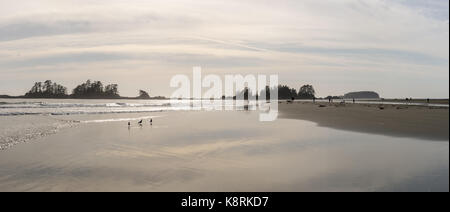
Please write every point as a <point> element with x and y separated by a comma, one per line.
<point>394,120</point>
<point>432,101</point>
<point>220,151</point>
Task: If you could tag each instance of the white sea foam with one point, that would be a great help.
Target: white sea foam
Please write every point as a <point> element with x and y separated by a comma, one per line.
<point>19,129</point>
<point>77,107</point>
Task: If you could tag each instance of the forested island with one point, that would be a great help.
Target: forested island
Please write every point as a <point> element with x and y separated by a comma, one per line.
<point>284,92</point>
<point>97,90</point>
<point>88,90</point>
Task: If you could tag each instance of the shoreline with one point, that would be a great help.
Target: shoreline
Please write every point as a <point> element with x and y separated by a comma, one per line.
<point>400,120</point>
<point>421,122</point>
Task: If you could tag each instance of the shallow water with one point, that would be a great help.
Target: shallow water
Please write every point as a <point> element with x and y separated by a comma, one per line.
<point>22,120</point>
<point>219,151</point>
<point>19,107</point>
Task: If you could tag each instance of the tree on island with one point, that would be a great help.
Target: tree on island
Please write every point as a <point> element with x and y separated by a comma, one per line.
<point>334,97</point>
<point>95,90</point>
<point>47,89</point>
<point>143,95</point>
<point>266,92</point>
<point>112,90</point>
<point>285,92</point>
<point>307,92</point>
<point>244,94</point>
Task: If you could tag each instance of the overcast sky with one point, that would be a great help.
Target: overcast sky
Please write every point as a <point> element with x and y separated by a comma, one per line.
<point>399,48</point>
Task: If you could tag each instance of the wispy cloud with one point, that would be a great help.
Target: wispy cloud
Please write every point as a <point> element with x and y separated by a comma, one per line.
<point>336,45</point>
<point>20,30</point>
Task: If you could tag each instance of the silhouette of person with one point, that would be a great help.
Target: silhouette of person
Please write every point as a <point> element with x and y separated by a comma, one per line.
<point>353,100</point>
<point>428,101</point>
<point>151,121</point>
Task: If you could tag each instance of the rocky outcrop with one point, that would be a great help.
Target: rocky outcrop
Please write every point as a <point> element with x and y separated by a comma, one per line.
<point>362,95</point>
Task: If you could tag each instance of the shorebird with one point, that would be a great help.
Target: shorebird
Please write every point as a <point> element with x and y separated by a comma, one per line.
<point>129,123</point>
<point>140,122</point>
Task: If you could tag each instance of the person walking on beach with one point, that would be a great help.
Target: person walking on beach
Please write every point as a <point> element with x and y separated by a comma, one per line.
<point>353,100</point>
<point>151,121</point>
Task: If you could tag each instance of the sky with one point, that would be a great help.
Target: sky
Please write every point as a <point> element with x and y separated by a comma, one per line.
<point>398,48</point>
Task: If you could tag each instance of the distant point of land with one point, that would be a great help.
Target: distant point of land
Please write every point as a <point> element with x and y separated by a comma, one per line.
<point>362,95</point>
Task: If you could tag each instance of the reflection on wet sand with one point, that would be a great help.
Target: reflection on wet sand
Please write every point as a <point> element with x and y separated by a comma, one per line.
<point>222,151</point>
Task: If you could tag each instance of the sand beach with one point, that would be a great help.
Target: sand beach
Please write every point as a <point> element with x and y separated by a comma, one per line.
<point>308,148</point>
